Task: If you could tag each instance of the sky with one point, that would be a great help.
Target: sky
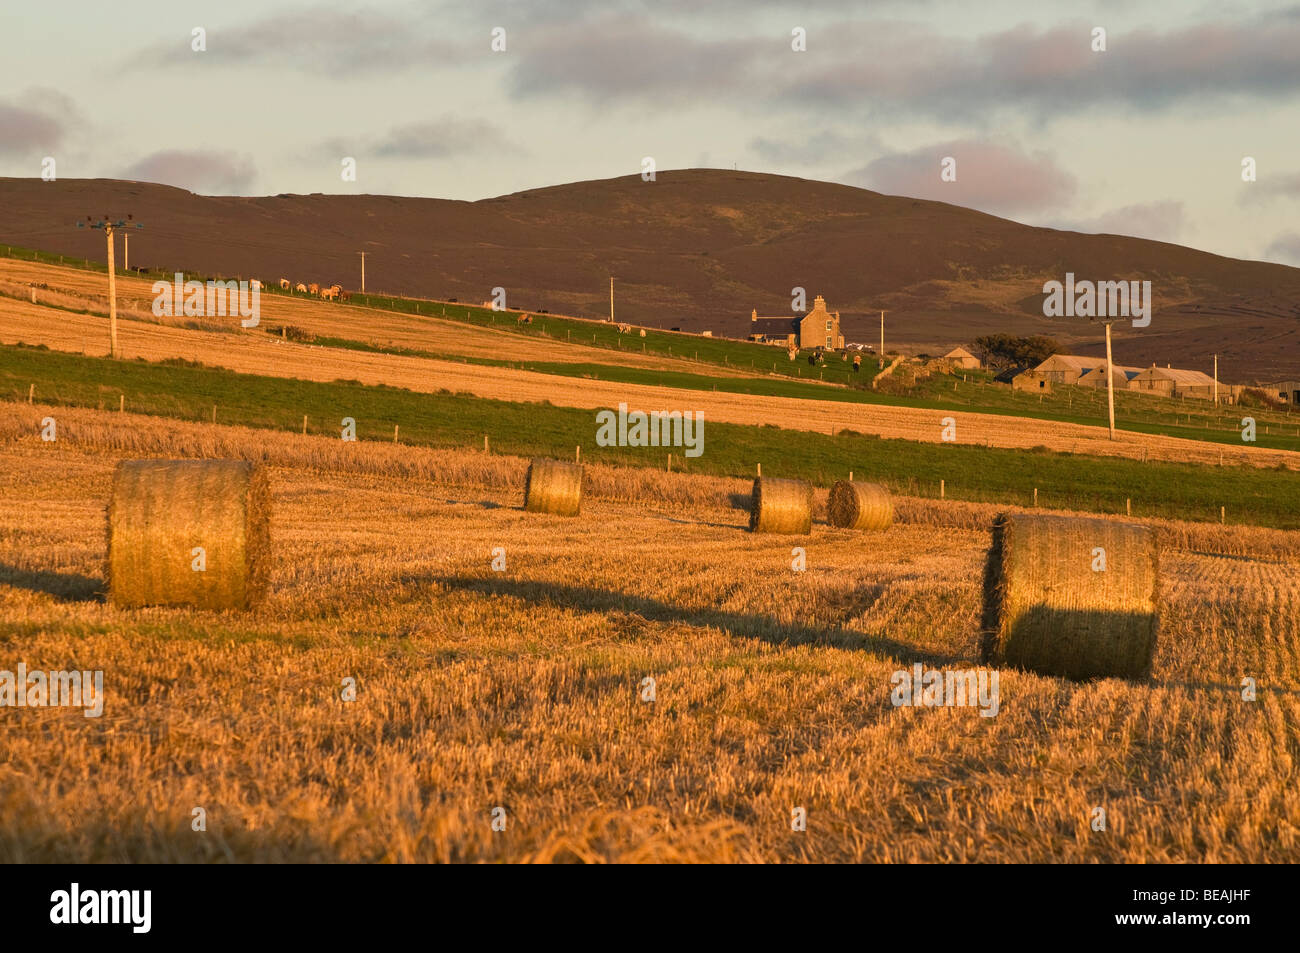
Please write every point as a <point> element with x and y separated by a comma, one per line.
<point>1146,137</point>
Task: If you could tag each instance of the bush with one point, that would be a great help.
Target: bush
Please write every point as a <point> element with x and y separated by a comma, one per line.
<point>1257,397</point>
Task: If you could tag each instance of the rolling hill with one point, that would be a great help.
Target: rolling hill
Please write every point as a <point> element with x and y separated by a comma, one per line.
<point>698,249</point>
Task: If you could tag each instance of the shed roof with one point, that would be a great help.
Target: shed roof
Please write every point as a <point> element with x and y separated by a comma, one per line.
<point>1178,376</point>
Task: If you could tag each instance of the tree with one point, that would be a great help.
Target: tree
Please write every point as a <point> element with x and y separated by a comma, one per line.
<point>1006,350</point>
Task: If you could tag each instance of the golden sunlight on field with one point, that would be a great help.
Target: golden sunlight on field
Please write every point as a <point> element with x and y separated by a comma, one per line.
<point>254,352</point>
<point>522,689</point>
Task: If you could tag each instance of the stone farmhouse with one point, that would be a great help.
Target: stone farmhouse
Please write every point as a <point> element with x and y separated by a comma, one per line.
<point>815,328</point>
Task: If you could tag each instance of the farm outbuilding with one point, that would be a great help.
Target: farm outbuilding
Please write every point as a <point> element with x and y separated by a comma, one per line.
<point>1174,382</point>
<point>1121,377</point>
<point>1288,391</point>
<point>962,358</point>
<point>1068,368</point>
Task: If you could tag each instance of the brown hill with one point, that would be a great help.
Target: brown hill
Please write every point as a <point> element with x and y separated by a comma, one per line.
<point>698,249</point>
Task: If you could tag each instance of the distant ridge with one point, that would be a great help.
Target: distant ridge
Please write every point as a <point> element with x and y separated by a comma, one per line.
<point>699,249</point>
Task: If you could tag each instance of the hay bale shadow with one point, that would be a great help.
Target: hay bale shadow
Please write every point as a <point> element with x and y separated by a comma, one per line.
<point>741,625</point>
<point>66,587</point>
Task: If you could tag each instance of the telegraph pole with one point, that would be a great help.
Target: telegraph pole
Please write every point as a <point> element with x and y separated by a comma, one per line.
<point>1110,383</point>
<point>108,227</point>
<point>363,271</point>
<point>1216,380</point>
<point>611,299</point>
<point>882,340</point>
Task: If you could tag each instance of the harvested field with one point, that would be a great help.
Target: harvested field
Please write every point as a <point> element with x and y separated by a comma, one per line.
<point>131,435</point>
<point>520,689</point>
<point>257,353</point>
<point>78,289</point>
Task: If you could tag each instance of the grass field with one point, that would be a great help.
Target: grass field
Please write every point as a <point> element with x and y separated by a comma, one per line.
<point>521,690</point>
<point>1259,496</point>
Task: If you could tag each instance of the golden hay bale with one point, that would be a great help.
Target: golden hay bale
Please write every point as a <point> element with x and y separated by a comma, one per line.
<point>161,511</point>
<point>552,486</point>
<point>1072,596</point>
<point>781,506</point>
<point>860,506</point>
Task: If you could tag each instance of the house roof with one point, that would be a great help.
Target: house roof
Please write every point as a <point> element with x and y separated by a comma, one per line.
<point>1178,376</point>
<point>1128,373</point>
<point>1071,362</point>
<point>786,323</point>
<point>959,352</point>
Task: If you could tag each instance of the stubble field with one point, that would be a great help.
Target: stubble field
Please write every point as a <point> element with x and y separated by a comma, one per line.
<point>522,689</point>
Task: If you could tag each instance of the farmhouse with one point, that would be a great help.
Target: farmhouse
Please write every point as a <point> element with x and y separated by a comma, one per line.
<point>816,328</point>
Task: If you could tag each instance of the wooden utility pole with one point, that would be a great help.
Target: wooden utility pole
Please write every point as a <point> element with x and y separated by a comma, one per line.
<point>611,299</point>
<point>1216,380</point>
<point>109,227</point>
<point>126,251</point>
<point>882,339</point>
<point>1110,383</point>
<point>363,271</point>
<point>112,295</point>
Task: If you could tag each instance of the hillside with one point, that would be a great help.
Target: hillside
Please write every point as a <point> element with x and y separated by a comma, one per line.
<point>698,249</point>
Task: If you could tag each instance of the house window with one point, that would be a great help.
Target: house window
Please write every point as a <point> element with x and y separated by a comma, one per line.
<point>828,341</point>
<point>828,325</point>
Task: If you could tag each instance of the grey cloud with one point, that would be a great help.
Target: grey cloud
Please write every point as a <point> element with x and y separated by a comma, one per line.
<point>442,138</point>
<point>1053,70</point>
<point>210,173</point>
<point>631,57</point>
<point>1163,221</point>
<point>993,178</point>
<point>318,39</point>
<point>876,66</point>
<point>35,120</point>
<point>1285,248</point>
<point>1268,188</point>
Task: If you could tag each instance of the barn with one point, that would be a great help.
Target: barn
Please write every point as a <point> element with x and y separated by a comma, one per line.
<point>1174,382</point>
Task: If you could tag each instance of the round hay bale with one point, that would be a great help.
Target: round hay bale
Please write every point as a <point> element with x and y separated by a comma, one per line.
<point>860,506</point>
<point>552,486</point>
<point>781,506</point>
<point>1072,597</point>
<point>161,511</point>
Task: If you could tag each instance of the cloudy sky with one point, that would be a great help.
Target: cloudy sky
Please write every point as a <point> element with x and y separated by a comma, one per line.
<point>1146,138</point>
